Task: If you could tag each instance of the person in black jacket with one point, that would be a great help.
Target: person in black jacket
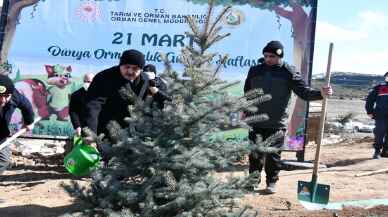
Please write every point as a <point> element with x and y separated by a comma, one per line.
<point>77,104</point>
<point>104,101</point>
<point>10,99</point>
<point>158,82</point>
<point>278,79</point>
<point>376,107</point>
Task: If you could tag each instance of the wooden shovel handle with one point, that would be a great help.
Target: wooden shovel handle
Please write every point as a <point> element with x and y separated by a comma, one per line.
<point>372,172</point>
<point>323,113</point>
<point>17,134</point>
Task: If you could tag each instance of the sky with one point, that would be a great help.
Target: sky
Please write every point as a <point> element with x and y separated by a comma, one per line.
<point>359,31</point>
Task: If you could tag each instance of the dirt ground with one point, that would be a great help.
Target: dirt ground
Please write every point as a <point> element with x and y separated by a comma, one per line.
<point>34,191</point>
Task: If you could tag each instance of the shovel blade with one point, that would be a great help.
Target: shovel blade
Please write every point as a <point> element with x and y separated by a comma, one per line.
<point>313,195</point>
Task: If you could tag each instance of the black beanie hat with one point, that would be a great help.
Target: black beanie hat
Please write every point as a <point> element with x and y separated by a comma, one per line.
<point>133,57</point>
<point>149,68</point>
<point>6,85</point>
<point>274,47</point>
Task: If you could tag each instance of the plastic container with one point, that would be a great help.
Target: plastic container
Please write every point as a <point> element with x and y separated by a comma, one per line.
<point>83,159</point>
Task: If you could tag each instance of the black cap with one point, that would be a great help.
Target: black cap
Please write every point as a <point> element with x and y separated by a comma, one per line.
<point>149,68</point>
<point>133,57</point>
<point>274,47</point>
<point>6,85</point>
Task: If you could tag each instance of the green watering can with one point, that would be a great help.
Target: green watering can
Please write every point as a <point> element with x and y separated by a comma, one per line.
<point>83,159</point>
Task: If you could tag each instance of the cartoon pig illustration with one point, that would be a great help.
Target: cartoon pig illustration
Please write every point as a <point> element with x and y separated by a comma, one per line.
<point>59,79</point>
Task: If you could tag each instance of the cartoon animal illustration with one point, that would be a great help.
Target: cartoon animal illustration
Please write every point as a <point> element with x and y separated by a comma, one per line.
<point>36,92</point>
<point>59,79</point>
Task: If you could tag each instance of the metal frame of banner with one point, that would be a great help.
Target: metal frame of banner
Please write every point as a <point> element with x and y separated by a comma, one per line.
<point>3,22</point>
<point>301,154</point>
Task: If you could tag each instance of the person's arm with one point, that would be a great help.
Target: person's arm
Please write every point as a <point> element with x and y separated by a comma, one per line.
<point>247,84</point>
<point>26,109</point>
<point>301,89</point>
<point>370,102</point>
<point>159,93</point>
<point>75,110</point>
<point>96,98</point>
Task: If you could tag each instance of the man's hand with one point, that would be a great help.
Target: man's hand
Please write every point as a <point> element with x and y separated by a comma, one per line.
<point>93,144</point>
<point>153,90</point>
<point>78,131</point>
<point>90,141</point>
<point>243,116</point>
<point>326,91</point>
<point>371,116</point>
<point>28,127</point>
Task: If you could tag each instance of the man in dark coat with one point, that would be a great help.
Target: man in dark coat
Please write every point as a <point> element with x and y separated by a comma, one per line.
<point>377,108</point>
<point>104,101</point>
<point>77,104</point>
<point>279,80</point>
<point>10,99</point>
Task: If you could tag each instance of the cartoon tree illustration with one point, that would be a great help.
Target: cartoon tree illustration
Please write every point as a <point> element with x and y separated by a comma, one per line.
<point>301,27</point>
<point>298,17</point>
<point>15,8</point>
<point>297,12</point>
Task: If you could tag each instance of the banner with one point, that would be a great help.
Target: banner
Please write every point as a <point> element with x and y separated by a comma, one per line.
<point>70,38</point>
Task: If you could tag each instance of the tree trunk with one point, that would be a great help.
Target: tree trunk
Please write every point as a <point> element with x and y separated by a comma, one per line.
<point>298,115</point>
<point>15,8</point>
<point>300,24</point>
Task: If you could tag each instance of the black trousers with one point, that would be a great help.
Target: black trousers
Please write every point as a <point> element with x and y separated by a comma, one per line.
<point>381,134</point>
<point>270,160</point>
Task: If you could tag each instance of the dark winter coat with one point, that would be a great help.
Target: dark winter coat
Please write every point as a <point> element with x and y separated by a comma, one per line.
<point>278,81</point>
<point>377,101</point>
<point>77,110</point>
<point>17,101</point>
<point>105,103</point>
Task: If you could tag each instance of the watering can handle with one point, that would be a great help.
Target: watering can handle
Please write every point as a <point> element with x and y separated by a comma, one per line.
<point>323,113</point>
<point>17,134</point>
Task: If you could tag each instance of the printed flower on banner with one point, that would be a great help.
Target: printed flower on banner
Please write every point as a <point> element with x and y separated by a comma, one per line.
<point>88,12</point>
<point>295,143</point>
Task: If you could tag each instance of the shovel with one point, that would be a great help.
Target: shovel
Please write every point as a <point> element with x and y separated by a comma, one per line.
<point>313,195</point>
<point>16,135</point>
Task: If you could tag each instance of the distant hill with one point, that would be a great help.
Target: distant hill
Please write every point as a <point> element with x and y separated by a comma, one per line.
<point>345,84</point>
<point>349,85</point>
<point>351,79</point>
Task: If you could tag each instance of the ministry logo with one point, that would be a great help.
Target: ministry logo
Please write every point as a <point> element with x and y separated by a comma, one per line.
<point>88,12</point>
<point>234,18</point>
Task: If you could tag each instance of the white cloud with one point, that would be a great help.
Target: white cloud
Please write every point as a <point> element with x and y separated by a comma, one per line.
<point>359,45</point>
<point>371,62</point>
<point>329,32</point>
<point>348,60</point>
<point>373,20</point>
